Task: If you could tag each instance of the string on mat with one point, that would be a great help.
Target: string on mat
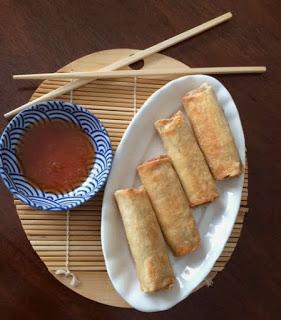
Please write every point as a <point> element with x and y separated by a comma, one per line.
<point>71,95</point>
<point>135,96</point>
<point>208,282</point>
<point>66,271</point>
<point>74,282</point>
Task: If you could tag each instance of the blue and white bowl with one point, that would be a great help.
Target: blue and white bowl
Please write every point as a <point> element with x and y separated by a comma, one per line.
<point>19,185</point>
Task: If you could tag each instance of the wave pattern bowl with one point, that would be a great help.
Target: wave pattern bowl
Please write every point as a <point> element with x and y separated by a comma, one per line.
<point>21,188</point>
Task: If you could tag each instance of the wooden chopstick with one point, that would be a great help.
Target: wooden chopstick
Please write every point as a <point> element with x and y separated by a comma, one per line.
<point>138,73</point>
<point>128,60</point>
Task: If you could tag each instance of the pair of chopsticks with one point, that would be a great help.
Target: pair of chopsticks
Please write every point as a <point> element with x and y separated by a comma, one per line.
<point>85,77</point>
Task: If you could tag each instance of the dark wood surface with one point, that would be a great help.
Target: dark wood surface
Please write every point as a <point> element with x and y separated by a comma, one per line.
<point>42,36</point>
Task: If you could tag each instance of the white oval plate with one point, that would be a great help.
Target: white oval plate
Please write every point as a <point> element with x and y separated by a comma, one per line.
<point>215,221</point>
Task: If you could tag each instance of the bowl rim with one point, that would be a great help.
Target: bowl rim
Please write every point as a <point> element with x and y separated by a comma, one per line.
<point>84,198</point>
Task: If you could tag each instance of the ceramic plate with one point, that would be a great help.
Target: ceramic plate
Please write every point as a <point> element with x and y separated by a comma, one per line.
<point>215,221</point>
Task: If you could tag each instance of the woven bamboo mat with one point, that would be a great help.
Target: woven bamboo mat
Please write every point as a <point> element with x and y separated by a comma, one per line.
<point>112,101</point>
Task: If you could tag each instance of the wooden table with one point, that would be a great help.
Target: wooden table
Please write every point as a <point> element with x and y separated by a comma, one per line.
<point>42,36</point>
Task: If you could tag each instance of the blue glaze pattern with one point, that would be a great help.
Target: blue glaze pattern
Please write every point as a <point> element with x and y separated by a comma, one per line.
<point>10,169</point>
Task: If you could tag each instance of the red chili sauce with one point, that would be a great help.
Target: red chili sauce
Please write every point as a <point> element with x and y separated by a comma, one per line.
<point>55,156</point>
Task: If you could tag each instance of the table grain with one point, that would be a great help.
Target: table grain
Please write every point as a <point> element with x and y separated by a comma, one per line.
<point>42,36</point>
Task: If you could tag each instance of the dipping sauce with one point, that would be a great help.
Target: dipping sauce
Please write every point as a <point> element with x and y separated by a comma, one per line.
<point>56,156</point>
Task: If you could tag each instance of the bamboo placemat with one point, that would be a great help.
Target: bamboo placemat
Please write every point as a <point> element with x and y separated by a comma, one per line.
<point>112,101</point>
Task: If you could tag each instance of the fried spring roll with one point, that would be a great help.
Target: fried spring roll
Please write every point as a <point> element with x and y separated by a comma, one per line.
<point>187,158</point>
<point>212,132</point>
<point>170,204</point>
<point>145,240</point>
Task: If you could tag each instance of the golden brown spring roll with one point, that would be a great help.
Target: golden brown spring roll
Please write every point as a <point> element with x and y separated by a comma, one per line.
<point>187,158</point>
<point>145,240</point>
<point>212,132</point>
<point>170,204</point>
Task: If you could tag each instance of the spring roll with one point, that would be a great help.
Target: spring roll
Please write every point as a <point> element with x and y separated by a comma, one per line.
<point>212,132</point>
<point>145,240</point>
<point>187,159</point>
<point>170,204</point>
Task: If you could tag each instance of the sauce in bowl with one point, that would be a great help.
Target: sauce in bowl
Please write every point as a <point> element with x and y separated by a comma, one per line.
<point>55,155</point>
